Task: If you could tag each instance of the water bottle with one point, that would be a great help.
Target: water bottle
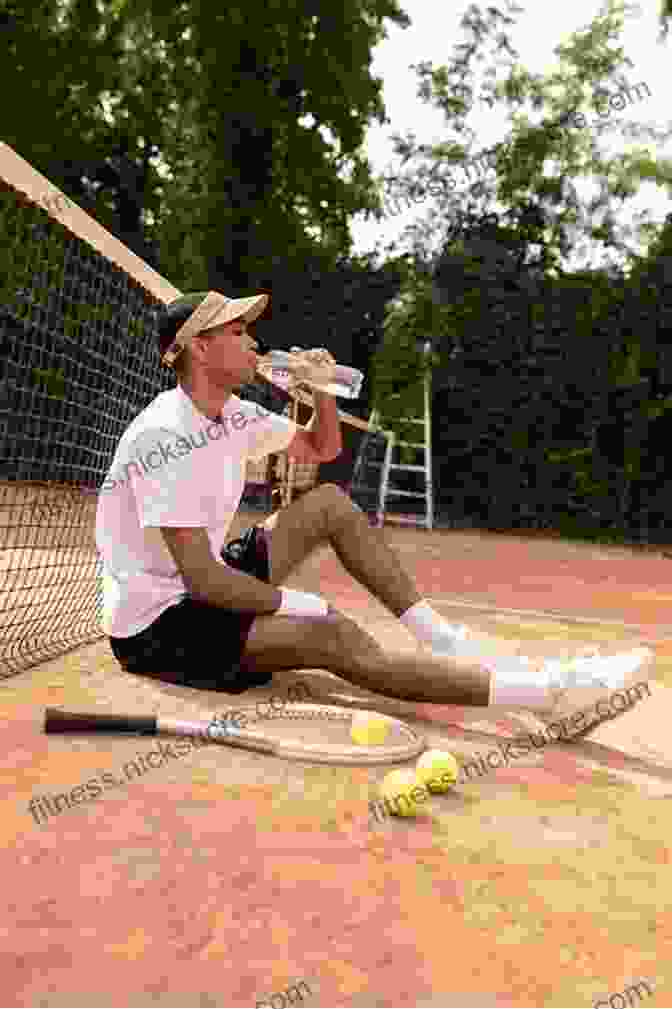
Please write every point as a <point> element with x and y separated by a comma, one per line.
<point>347,381</point>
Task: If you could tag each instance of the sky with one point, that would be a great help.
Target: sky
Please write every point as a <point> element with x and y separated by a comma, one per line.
<point>432,36</point>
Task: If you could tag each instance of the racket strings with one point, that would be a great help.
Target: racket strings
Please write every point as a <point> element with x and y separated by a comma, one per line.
<point>293,714</point>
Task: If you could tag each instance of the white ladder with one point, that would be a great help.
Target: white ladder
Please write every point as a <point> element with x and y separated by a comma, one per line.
<point>426,468</point>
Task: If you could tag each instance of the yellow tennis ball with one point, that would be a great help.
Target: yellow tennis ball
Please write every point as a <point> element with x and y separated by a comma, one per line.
<point>438,770</point>
<point>368,728</point>
<point>401,793</point>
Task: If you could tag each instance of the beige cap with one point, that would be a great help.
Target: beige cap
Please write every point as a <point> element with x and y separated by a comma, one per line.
<point>215,310</point>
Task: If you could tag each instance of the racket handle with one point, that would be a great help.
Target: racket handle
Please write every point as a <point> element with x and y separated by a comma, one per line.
<point>69,721</point>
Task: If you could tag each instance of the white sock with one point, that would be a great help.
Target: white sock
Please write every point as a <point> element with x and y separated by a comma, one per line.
<point>429,626</point>
<point>514,683</point>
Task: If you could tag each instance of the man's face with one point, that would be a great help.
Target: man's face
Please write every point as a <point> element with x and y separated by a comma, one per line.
<point>230,359</point>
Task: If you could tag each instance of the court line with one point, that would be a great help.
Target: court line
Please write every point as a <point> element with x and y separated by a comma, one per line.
<point>456,602</point>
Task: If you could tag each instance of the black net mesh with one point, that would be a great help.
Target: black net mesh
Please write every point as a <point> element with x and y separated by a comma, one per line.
<point>77,363</point>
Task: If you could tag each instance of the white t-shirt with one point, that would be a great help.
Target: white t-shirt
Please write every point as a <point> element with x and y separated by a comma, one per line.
<point>173,467</point>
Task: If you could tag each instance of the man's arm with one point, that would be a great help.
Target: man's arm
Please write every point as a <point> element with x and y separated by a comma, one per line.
<point>320,440</point>
<point>213,583</point>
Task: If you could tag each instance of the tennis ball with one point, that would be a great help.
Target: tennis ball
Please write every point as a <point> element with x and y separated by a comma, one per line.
<point>438,770</point>
<point>368,728</point>
<point>399,792</point>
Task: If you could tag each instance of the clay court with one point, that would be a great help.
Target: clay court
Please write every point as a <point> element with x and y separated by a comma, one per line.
<point>226,878</point>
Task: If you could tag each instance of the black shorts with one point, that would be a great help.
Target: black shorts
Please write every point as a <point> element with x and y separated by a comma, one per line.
<point>199,645</point>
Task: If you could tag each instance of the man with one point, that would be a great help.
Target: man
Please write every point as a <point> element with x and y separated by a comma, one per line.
<point>182,606</point>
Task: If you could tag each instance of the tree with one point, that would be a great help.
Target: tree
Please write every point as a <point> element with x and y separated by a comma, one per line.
<point>529,351</point>
<point>528,178</point>
<point>215,151</point>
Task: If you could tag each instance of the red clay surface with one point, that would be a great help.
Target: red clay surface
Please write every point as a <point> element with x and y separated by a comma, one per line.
<point>223,877</point>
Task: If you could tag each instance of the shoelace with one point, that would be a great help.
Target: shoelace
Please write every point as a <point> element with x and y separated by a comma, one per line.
<point>576,672</point>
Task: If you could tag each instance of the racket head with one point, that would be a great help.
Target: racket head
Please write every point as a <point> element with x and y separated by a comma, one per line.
<point>320,733</point>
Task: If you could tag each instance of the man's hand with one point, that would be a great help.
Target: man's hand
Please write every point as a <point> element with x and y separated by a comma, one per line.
<point>207,579</point>
<point>315,367</point>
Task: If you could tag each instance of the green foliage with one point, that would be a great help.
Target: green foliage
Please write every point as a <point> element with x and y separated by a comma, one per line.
<point>551,388</point>
<point>50,379</point>
<point>212,152</point>
<point>531,172</point>
<point>224,157</point>
<point>400,364</point>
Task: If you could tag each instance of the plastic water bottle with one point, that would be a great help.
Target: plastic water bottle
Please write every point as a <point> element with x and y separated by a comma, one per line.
<point>347,381</point>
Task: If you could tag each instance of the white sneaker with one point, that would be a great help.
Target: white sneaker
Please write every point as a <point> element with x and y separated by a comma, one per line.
<point>578,684</point>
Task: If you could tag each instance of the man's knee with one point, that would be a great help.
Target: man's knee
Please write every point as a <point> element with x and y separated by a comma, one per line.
<point>327,503</point>
<point>335,500</point>
<point>326,493</point>
<point>347,642</point>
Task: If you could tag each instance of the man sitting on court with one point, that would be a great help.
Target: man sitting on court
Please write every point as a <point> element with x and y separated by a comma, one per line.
<point>183,605</point>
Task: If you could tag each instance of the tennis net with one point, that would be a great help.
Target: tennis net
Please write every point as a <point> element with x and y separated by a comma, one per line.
<point>78,313</point>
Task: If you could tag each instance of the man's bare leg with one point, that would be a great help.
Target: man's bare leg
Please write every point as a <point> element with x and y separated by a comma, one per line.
<point>341,646</point>
<point>327,515</point>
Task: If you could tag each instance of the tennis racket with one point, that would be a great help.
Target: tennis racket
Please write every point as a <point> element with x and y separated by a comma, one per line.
<point>311,732</point>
